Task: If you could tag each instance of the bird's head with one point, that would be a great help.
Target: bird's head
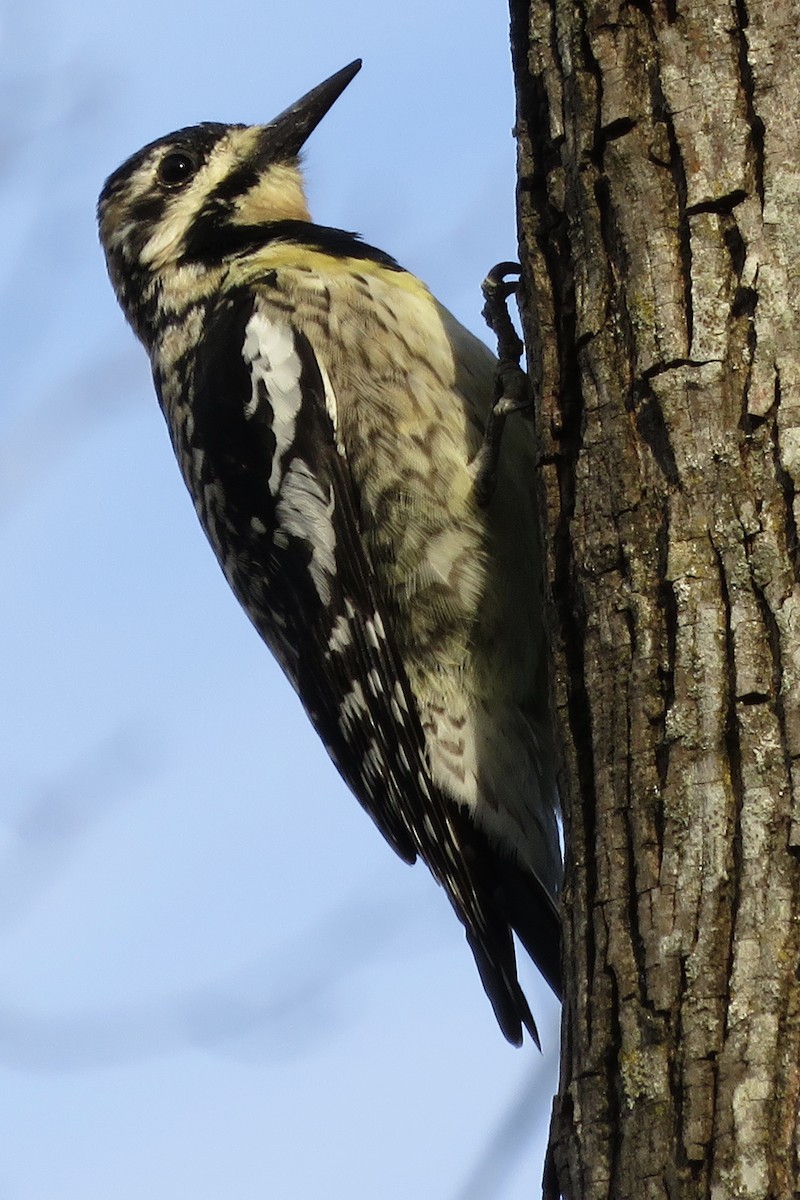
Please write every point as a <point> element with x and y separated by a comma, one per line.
<point>197,195</point>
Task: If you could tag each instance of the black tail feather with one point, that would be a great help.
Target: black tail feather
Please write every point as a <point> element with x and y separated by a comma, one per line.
<point>533,915</point>
<point>507,897</point>
<point>499,979</point>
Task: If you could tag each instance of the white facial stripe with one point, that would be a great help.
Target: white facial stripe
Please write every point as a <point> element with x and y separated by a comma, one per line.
<point>183,206</point>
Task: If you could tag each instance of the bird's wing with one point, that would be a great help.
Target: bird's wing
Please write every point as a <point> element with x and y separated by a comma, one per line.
<point>283,507</point>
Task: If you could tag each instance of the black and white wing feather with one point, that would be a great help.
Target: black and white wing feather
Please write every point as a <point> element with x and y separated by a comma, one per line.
<point>275,494</point>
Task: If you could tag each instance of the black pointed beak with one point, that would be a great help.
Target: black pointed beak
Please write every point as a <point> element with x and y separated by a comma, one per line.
<point>288,133</point>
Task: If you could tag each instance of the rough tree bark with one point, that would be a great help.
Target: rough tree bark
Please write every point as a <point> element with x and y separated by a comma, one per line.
<point>659,207</point>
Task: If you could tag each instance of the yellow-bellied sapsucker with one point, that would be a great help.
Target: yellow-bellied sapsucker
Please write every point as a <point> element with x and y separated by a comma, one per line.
<point>327,415</point>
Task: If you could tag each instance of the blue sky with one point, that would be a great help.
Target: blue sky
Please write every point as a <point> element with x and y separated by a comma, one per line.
<point>215,978</point>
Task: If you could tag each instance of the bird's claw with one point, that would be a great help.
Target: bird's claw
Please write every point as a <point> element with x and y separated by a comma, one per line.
<point>512,389</point>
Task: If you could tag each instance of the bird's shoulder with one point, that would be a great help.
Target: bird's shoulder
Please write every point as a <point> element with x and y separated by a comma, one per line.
<point>315,275</point>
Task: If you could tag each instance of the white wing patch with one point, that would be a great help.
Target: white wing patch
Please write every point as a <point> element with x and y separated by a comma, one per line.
<point>305,511</point>
<point>340,636</point>
<point>304,508</point>
<point>330,406</point>
<point>270,352</point>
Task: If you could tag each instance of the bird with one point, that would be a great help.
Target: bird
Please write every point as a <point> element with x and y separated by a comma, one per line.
<point>329,419</point>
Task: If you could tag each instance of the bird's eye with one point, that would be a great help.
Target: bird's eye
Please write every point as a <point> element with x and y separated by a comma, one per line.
<point>177,168</point>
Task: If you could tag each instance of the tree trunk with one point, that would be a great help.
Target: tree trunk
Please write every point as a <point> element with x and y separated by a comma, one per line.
<point>659,210</point>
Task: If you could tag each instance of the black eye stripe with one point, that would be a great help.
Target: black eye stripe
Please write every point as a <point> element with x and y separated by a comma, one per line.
<point>177,168</point>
